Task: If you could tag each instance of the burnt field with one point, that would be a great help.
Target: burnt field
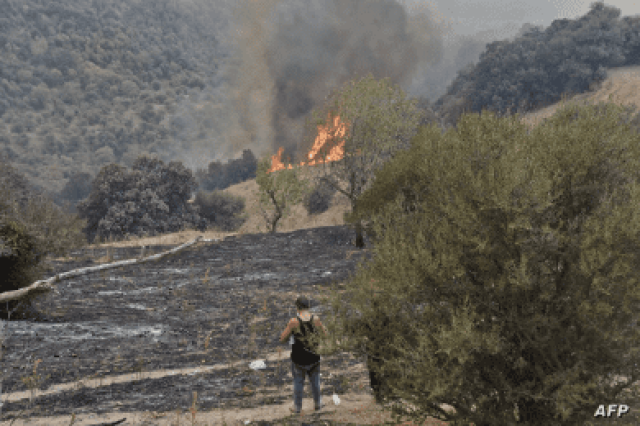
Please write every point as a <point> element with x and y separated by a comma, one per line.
<point>212,307</point>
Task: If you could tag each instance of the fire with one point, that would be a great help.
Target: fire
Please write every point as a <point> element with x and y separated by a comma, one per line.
<point>326,134</point>
<point>276,161</point>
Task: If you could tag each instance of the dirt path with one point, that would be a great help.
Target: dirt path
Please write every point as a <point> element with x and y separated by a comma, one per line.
<point>357,407</point>
<point>354,408</point>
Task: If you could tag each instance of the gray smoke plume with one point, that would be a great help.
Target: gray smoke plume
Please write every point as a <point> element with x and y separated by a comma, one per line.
<point>286,56</point>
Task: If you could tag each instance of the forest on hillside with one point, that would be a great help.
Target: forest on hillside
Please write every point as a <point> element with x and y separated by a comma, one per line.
<point>538,67</point>
<point>89,83</point>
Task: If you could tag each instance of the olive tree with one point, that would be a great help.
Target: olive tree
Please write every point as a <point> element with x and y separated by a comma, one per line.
<point>375,120</point>
<point>278,191</point>
<point>508,261</point>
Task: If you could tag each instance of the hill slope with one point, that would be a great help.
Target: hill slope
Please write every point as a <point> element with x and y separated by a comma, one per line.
<point>622,84</point>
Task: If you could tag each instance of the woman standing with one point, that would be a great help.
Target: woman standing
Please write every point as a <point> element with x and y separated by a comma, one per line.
<point>304,358</point>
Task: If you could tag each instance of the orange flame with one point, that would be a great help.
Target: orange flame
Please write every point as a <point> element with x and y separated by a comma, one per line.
<point>326,135</point>
<point>276,162</point>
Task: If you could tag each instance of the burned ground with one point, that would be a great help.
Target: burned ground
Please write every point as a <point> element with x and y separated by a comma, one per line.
<point>156,316</point>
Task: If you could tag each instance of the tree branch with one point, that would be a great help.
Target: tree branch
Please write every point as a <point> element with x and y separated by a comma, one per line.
<point>44,286</point>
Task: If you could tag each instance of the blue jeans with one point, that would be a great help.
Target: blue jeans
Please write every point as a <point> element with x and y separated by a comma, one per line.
<point>299,373</point>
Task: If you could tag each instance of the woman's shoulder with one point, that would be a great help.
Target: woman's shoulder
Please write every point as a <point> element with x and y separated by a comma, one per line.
<point>316,318</point>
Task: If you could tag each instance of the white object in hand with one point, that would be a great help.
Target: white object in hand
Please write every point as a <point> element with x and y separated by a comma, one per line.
<point>291,340</point>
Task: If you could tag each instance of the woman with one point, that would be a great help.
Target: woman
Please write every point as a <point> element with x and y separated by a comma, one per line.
<point>304,360</point>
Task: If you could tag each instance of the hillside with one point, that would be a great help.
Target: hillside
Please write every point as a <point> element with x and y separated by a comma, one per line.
<point>622,84</point>
<point>84,87</point>
<point>84,84</point>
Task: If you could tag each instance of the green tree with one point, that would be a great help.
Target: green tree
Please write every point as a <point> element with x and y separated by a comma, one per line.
<point>278,191</point>
<point>508,262</point>
<point>54,231</point>
<point>379,121</point>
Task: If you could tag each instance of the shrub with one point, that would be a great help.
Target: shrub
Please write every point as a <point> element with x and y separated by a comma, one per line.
<point>222,176</point>
<point>20,266</point>
<point>221,210</point>
<point>78,188</point>
<point>514,259</point>
<point>319,200</point>
<point>54,231</point>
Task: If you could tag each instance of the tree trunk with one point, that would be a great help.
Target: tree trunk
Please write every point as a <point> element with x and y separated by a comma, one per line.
<point>359,236</point>
<point>44,286</point>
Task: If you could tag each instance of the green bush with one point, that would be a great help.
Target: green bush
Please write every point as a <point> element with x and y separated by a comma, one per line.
<point>319,200</point>
<point>19,263</point>
<point>55,231</point>
<point>222,210</point>
<point>512,259</point>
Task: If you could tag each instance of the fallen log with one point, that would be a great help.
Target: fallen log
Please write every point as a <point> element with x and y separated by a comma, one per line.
<point>47,285</point>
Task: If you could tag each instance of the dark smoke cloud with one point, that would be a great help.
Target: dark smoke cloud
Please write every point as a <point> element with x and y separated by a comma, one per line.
<point>312,53</point>
<point>319,49</point>
<point>286,56</point>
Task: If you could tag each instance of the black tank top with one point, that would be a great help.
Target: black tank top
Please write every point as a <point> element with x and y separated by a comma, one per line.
<point>301,354</point>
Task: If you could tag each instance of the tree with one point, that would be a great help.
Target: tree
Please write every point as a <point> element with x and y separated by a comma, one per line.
<point>78,187</point>
<point>278,191</point>
<point>54,231</point>
<point>20,262</point>
<point>538,67</point>
<point>150,199</point>
<point>222,210</point>
<point>379,122</point>
<point>511,261</point>
<point>31,227</point>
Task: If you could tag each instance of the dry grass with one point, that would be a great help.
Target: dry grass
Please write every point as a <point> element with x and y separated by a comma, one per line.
<point>623,85</point>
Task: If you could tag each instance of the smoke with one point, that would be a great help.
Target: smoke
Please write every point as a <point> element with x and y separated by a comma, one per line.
<point>318,49</point>
<point>286,56</point>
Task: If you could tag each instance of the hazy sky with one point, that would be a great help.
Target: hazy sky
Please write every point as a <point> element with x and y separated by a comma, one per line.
<point>505,17</point>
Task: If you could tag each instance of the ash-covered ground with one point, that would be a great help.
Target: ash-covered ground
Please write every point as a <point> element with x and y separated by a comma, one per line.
<point>156,316</point>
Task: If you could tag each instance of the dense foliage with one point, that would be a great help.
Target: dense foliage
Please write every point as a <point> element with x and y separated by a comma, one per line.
<point>19,263</point>
<point>54,231</point>
<point>370,120</point>
<point>511,260</point>
<point>222,176</point>
<point>537,68</point>
<point>319,199</point>
<point>150,199</point>
<point>223,211</point>
<point>85,83</point>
